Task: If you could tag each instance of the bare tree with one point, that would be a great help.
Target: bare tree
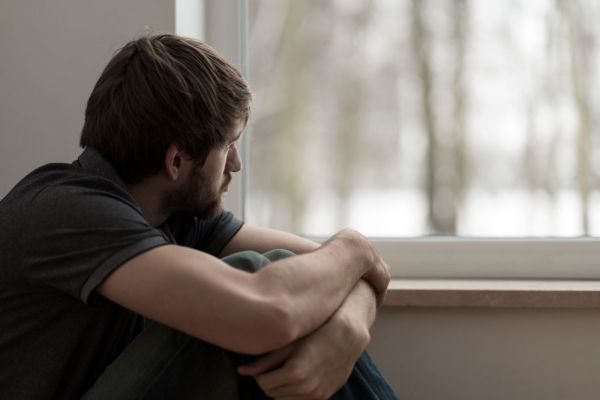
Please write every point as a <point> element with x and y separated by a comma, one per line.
<point>351,85</point>
<point>281,109</point>
<point>446,163</point>
<point>572,15</point>
<point>459,95</point>
<point>421,43</point>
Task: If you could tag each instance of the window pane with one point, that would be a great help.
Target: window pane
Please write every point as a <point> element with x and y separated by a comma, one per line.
<point>405,118</point>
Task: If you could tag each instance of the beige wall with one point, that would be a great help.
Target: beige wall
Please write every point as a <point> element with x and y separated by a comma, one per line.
<point>489,354</point>
<point>51,55</point>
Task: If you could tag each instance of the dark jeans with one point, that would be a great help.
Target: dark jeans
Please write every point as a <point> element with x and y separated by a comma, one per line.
<point>162,363</point>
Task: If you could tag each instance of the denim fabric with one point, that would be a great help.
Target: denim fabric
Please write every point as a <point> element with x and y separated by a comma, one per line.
<point>365,382</point>
<point>162,363</point>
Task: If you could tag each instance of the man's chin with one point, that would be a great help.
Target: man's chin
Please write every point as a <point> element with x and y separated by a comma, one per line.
<point>210,211</point>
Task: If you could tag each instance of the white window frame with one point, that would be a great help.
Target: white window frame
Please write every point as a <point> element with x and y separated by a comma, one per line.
<point>224,27</point>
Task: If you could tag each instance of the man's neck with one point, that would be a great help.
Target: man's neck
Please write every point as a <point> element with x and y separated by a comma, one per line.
<point>150,200</point>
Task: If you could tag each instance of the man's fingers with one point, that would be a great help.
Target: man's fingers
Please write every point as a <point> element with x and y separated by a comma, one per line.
<point>380,299</point>
<point>265,363</point>
<point>299,391</point>
<point>291,373</point>
<point>292,382</point>
<point>379,278</point>
<point>274,379</point>
<point>386,281</point>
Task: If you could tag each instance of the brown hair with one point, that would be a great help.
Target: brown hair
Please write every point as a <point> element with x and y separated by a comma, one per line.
<point>162,90</point>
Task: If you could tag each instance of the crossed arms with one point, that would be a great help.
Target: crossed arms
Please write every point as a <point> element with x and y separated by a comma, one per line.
<point>281,310</point>
<point>318,364</point>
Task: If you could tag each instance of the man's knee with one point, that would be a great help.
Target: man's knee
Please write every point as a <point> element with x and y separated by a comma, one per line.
<point>252,261</point>
<point>278,254</point>
<point>249,261</point>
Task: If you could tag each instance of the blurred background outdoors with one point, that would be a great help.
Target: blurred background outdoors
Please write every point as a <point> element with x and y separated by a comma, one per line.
<point>416,117</point>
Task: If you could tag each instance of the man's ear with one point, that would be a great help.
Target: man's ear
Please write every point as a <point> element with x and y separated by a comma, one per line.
<point>174,159</point>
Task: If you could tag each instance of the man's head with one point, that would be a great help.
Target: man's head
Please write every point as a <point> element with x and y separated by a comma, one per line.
<point>203,185</point>
<point>163,91</point>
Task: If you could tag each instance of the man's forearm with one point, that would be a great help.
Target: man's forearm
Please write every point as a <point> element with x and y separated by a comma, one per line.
<point>324,359</point>
<point>312,286</point>
<point>263,240</point>
<point>358,311</point>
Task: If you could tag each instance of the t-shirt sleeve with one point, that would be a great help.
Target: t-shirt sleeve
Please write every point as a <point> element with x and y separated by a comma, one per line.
<point>80,234</point>
<point>209,236</point>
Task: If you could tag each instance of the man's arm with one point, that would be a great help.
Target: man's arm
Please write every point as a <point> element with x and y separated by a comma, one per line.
<point>264,239</point>
<point>317,365</point>
<point>323,360</point>
<point>250,313</point>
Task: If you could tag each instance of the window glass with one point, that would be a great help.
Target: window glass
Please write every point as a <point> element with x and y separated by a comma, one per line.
<point>408,118</point>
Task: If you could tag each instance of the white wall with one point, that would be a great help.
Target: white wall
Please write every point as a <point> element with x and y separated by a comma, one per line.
<point>51,53</point>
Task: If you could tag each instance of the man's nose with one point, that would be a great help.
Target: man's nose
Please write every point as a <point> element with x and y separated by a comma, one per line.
<point>234,161</point>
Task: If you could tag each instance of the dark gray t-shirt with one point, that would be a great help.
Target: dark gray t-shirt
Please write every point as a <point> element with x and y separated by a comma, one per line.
<point>63,229</point>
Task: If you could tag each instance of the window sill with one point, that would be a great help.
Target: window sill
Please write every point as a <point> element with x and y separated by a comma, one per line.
<point>493,293</point>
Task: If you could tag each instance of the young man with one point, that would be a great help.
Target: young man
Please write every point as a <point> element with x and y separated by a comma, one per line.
<point>135,227</point>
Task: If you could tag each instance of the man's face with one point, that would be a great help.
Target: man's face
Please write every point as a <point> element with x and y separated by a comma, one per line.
<point>202,192</point>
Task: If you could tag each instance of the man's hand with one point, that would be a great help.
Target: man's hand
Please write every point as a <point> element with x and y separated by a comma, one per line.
<point>379,277</point>
<point>378,273</point>
<point>314,367</point>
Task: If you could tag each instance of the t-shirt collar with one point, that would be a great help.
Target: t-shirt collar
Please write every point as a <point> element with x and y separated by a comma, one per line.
<point>91,160</point>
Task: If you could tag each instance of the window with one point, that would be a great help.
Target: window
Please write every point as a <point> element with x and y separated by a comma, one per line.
<point>415,118</point>
<point>408,118</point>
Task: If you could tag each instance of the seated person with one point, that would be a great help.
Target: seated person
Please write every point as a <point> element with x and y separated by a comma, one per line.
<point>116,276</point>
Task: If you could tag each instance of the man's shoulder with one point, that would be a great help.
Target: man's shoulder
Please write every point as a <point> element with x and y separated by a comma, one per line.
<point>64,190</point>
<point>60,180</point>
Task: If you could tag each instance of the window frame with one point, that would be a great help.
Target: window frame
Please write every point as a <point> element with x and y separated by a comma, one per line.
<point>224,26</point>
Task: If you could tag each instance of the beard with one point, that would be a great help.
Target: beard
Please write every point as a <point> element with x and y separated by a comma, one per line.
<point>194,197</point>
